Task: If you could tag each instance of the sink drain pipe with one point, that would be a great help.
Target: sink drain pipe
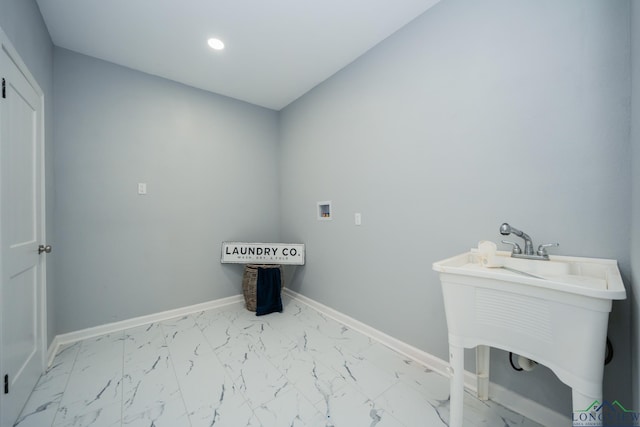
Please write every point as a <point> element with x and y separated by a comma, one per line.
<point>528,365</point>
<point>524,364</point>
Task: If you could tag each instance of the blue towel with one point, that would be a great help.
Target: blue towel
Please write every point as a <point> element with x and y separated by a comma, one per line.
<point>268,287</point>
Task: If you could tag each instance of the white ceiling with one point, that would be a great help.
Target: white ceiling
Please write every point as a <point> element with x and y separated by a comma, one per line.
<point>276,50</point>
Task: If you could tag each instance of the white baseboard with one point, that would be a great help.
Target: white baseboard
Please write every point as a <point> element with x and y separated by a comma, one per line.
<point>108,328</point>
<point>527,407</point>
<point>497,393</point>
<point>432,362</point>
<point>52,351</point>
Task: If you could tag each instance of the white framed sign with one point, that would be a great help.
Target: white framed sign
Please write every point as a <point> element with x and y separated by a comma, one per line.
<point>262,253</point>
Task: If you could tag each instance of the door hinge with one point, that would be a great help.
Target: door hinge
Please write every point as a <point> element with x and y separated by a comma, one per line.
<point>4,88</point>
<point>6,384</point>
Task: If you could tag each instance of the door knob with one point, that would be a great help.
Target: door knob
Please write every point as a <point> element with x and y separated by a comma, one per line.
<point>43,248</point>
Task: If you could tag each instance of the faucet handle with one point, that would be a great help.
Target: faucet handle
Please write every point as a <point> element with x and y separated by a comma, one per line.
<point>542,249</point>
<point>516,247</point>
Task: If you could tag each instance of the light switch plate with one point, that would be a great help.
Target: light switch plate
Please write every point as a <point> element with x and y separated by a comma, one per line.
<point>142,188</point>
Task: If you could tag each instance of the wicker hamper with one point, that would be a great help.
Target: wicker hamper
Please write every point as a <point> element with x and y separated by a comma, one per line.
<point>249,280</point>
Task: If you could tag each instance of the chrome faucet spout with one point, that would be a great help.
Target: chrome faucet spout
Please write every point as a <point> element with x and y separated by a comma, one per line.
<point>506,229</point>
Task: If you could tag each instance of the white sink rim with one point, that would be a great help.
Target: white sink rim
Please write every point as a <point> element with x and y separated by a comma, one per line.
<point>468,264</point>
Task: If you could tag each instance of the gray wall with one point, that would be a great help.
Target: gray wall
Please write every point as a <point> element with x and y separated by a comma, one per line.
<point>635,222</point>
<point>210,164</point>
<point>23,24</point>
<point>474,114</point>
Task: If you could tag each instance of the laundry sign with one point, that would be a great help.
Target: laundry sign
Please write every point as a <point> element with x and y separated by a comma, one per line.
<point>262,253</point>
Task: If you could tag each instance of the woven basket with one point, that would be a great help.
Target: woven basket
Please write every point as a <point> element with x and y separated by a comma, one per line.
<point>250,279</point>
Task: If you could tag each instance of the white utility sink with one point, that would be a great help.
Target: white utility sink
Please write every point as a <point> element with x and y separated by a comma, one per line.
<point>555,312</point>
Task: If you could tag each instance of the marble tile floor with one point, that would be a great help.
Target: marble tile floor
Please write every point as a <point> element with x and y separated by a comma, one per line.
<point>227,367</point>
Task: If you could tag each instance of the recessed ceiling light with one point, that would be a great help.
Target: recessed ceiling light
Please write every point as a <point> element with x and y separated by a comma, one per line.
<point>215,44</point>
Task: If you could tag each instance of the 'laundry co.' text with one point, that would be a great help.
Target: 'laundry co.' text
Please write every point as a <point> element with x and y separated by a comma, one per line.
<point>262,253</point>
<point>243,250</point>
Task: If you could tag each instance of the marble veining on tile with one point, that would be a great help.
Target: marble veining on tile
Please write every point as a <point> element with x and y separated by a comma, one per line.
<point>227,367</point>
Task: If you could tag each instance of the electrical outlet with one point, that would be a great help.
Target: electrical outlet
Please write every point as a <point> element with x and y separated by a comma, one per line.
<point>142,188</point>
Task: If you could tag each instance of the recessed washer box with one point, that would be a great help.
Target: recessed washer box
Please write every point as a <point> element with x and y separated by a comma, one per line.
<point>324,211</point>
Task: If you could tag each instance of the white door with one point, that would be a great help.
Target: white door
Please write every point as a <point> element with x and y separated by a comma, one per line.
<point>22,267</point>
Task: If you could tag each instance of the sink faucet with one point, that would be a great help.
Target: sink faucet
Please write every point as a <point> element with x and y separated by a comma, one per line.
<point>541,254</point>
<point>506,229</point>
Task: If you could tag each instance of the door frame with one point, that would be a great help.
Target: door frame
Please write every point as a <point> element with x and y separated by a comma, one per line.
<point>12,53</point>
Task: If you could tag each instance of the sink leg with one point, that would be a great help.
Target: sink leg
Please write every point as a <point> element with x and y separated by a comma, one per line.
<point>482,371</point>
<point>456,361</point>
<point>581,403</point>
